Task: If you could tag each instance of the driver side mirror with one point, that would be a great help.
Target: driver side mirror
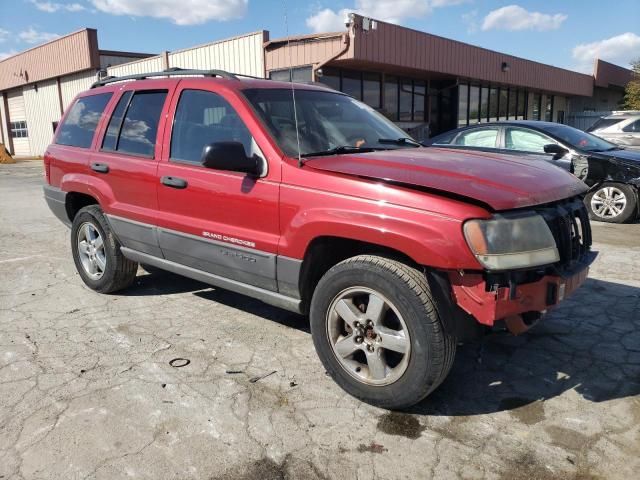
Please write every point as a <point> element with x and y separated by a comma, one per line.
<point>230,156</point>
<point>558,151</point>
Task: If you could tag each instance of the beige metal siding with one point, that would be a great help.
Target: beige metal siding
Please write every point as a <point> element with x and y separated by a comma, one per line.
<point>151,64</point>
<point>113,60</point>
<point>242,55</point>
<point>71,85</point>
<point>17,114</point>
<point>71,53</point>
<point>304,52</point>
<point>42,108</point>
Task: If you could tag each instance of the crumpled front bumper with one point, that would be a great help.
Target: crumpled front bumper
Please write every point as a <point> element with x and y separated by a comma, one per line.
<point>470,293</point>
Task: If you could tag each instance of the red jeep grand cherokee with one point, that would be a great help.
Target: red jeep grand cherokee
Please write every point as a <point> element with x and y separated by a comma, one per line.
<point>397,252</point>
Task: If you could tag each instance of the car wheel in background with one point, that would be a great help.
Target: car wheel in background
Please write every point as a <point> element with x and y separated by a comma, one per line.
<point>96,253</point>
<point>378,333</point>
<point>612,202</point>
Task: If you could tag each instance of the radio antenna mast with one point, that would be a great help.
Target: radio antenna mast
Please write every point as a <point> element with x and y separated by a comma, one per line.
<point>293,90</point>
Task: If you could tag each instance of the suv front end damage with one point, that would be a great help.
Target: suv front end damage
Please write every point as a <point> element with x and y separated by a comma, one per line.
<point>508,289</point>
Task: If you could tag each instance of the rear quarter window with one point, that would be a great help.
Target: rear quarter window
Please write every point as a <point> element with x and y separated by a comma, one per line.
<point>79,126</point>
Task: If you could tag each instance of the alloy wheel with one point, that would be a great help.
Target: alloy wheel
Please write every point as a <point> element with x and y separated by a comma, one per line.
<point>369,337</point>
<point>91,251</point>
<point>608,202</point>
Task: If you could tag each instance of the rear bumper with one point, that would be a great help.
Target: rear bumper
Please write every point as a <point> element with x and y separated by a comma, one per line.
<point>57,201</point>
<point>470,293</point>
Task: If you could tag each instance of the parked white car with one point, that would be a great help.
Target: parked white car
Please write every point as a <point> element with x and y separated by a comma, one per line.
<point>621,128</point>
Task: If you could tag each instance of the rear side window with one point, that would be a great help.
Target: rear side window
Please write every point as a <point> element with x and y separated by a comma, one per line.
<point>133,127</point>
<point>632,127</point>
<point>80,125</point>
<point>604,123</point>
<point>110,141</point>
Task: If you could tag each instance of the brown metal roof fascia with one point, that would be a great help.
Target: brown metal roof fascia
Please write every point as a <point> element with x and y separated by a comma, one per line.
<point>303,50</point>
<point>609,75</point>
<point>69,54</point>
<point>346,40</point>
<point>403,47</point>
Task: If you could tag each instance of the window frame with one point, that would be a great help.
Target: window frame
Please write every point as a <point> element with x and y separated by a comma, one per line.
<point>16,127</point>
<point>624,129</point>
<point>178,161</point>
<point>134,91</point>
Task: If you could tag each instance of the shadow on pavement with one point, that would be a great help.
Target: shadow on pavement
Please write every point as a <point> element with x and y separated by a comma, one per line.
<point>590,343</point>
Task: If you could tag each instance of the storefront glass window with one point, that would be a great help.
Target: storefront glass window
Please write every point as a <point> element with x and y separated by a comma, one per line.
<point>474,104</point>
<point>419,90</point>
<point>352,84</point>
<point>513,103</point>
<point>484,104</point>
<point>535,113</point>
<point>502,106</point>
<point>391,97</point>
<point>522,102</point>
<point>406,100</point>
<point>493,105</point>
<point>548,111</point>
<point>463,104</point>
<point>371,89</point>
<point>331,78</point>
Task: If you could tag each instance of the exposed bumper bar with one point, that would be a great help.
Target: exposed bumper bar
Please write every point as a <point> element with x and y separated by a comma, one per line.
<point>470,293</point>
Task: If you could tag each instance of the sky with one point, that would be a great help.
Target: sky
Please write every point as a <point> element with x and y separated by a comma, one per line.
<point>564,33</point>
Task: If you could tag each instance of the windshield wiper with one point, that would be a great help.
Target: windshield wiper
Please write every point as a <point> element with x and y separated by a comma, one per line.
<point>339,150</point>
<point>400,141</point>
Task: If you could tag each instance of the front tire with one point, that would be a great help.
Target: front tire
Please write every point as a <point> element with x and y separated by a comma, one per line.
<point>612,203</point>
<point>378,333</point>
<point>96,253</point>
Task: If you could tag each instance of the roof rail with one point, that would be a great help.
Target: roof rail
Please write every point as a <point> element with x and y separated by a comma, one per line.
<point>169,72</point>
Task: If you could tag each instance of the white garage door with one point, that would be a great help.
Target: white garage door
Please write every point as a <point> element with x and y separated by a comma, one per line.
<point>18,128</point>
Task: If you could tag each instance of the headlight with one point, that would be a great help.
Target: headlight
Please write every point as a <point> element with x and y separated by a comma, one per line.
<point>511,241</point>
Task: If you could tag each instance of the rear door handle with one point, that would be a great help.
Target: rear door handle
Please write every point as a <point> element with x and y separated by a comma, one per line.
<point>100,167</point>
<point>174,182</point>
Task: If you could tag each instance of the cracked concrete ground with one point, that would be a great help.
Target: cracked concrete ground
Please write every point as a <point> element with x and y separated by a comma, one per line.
<point>86,389</point>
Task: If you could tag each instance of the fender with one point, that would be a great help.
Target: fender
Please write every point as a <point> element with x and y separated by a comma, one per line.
<point>428,239</point>
<point>89,185</point>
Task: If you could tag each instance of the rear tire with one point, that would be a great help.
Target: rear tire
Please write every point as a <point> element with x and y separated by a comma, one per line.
<point>396,322</point>
<point>96,253</point>
<point>612,203</point>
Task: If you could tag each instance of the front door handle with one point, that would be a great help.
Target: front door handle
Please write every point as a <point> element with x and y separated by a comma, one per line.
<point>174,182</point>
<point>100,167</point>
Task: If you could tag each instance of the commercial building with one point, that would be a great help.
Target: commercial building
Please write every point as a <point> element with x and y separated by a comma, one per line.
<point>425,83</point>
<point>38,84</point>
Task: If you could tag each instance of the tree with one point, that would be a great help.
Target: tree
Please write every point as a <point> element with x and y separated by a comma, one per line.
<point>632,91</point>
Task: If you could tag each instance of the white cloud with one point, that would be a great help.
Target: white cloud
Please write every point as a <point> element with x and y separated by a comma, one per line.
<point>8,54</point>
<point>33,36</point>
<point>514,17</point>
<point>51,7</point>
<point>180,12</point>
<point>394,11</point>
<point>620,49</point>
<point>471,20</point>
<point>4,35</point>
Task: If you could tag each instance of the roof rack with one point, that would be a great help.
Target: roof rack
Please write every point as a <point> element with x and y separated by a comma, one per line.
<point>169,72</point>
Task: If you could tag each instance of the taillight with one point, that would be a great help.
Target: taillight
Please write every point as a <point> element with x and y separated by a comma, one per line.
<point>47,167</point>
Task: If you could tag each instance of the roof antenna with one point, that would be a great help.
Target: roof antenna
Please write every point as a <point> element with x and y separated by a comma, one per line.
<point>293,91</point>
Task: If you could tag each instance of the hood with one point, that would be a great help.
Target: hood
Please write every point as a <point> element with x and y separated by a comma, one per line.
<point>501,181</point>
<point>628,156</point>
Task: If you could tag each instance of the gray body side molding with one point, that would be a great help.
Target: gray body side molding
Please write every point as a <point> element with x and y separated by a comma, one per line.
<point>237,268</point>
<point>267,296</point>
<point>56,199</point>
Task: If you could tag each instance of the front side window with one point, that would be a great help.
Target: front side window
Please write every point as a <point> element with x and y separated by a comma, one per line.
<point>479,137</point>
<point>326,120</point>
<point>203,118</point>
<point>80,124</point>
<point>525,140</point>
<point>139,128</point>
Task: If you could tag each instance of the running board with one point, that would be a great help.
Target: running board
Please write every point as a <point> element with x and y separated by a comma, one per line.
<point>266,296</point>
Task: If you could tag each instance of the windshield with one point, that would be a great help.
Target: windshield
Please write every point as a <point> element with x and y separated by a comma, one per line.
<point>603,123</point>
<point>326,121</point>
<point>579,139</point>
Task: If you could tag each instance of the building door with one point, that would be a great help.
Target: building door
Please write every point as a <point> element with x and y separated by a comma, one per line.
<point>443,102</point>
<point>18,128</point>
